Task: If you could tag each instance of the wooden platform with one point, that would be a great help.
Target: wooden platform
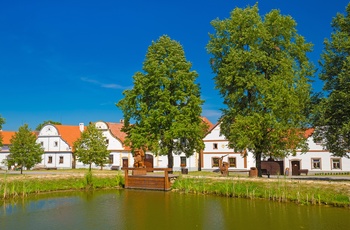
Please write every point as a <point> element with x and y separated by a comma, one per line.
<point>141,180</point>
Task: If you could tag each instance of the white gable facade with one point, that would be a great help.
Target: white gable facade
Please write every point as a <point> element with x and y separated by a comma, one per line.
<point>58,153</point>
<point>317,161</point>
<point>216,146</point>
<point>118,154</point>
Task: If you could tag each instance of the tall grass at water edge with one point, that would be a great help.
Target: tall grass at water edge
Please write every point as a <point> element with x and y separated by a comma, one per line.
<point>282,190</point>
<point>22,187</point>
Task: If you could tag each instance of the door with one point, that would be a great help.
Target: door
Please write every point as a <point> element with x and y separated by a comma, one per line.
<point>125,162</point>
<point>149,161</point>
<point>295,168</point>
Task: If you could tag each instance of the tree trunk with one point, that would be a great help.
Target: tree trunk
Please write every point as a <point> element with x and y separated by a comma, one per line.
<point>22,170</point>
<point>170,160</point>
<point>258,163</point>
<point>200,160</point>
<point>73,161</point>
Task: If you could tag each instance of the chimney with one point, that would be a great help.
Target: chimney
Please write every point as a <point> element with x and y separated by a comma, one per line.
<point>81,127</point>
<point>122,121</point>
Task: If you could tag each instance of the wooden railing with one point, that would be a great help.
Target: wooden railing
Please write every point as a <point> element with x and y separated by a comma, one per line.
<point>140,179</point>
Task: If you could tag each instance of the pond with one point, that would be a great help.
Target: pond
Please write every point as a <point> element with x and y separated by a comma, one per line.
<point>138,209</point>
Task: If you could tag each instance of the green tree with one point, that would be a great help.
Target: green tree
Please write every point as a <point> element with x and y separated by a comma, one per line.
<point>2,121</point>
<point>24,151</point>
<point>164,103</point>
<point>91,147</point>
<point>262,72</point>
<point>41,125</point>
<point>333,121</point>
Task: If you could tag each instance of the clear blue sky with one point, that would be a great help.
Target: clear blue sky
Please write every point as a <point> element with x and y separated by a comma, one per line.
<point>70,60</point>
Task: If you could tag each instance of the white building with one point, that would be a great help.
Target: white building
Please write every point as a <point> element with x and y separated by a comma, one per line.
<point>216,146</point>
<point>316,161</point>
<point>121,155</point>
<point>57,141</point>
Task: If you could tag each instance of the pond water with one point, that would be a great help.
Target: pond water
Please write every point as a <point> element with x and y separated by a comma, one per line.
<point>137,209</point>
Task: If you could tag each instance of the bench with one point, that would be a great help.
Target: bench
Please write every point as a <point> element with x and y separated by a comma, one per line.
<point>305,171</point>
<point>265,172</point>
<point>114,167</point>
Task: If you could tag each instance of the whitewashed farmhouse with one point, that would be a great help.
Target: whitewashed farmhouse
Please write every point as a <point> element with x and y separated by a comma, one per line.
<point>316,161</point>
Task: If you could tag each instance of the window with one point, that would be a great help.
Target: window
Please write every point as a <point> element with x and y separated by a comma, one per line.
<point>110,159</point>
<point>215,146</point>
<point>335,163</point>
<point>61,159</point>
<point>182,161</point>
<point>232,162</point>
<point>215,162</point>
<point>42,143</point>
<point>55,144</point>
<point>107,141</point>
<point>316,163</point>
<point>49,160</point>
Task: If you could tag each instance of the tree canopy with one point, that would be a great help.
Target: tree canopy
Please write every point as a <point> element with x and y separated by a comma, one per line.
<point>164,104</point>
<point>24,151</point>
<point>2,121</point>
<point>91,147</point>
<point>41,125</point>
<point>333,120</point>
<point>263,74</point>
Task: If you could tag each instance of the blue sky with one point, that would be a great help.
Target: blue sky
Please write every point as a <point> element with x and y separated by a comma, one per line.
<point>69,61</point>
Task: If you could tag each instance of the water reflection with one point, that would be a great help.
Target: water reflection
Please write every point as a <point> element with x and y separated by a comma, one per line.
<point>135,209</point>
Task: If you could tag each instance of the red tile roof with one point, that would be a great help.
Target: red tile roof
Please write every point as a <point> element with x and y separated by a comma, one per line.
<point>69,133</point>
<point>309,132</point>
<point>6,136</point>
<point>210,125</point>
<point>116,130</point>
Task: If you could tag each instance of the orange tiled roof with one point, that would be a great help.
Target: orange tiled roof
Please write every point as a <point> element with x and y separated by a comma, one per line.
<point>309,132</point>
<point>116,130</point>
<point>69,133</point>
<point>6,136</point>
<point>210,125</point>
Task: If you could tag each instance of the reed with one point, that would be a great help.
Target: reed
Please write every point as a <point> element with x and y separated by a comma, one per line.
<point>20,188</point>
<point>282,190</point>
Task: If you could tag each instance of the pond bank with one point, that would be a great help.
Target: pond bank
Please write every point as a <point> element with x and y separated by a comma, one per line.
<point>320,191</point>
<point>305,190</point>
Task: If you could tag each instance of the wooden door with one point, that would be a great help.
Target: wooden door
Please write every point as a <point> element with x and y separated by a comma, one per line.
<point>149,161</point>
<point>295,168</point>
<point>125,162</point>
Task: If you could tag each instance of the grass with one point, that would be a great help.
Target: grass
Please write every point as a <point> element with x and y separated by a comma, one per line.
<point>13,186</point>
<point>279,190</point>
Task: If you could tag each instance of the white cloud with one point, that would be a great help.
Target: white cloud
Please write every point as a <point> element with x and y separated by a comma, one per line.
<point>211,114</point>
<point>103,85</point>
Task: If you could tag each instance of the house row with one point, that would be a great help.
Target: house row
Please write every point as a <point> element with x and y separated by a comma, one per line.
<point>57,141</point>
<point>316,161</point>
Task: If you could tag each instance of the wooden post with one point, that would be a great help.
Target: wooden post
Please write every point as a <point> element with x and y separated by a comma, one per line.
<point>166,178</point>
<point>126,178</point>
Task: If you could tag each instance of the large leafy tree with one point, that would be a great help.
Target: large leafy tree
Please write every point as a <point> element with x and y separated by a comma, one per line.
<point>333,120</point>
<point>41,125</point>
<point>262,72</point>
<point>91,147</point>
<point>24,151</point>
<point>2,121</point>
<point>164,104</point>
